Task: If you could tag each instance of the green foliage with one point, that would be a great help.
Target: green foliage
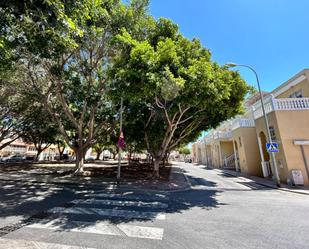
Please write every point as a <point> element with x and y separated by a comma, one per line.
<point>66,49</point>
<point>173,87</point>
<point>38,127</point>
<point>78,58</point>
<point>184,151</point>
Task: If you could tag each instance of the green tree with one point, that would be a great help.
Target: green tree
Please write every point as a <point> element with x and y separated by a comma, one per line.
<point>12,107</point>
<point>184,150</point>
<point>39,129</point>
<point>66,51</point>
<point>183,92</point>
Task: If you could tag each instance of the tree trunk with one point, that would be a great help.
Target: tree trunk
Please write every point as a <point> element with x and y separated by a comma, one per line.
<point>61,154</point>
<point>165,159</point>
<point>60,150</point>
<point>99,154</point>
<point>129,158</point>
<point>79,163</point>
<point>114,155</point>
<point>156,167</point>
<point>39,151</point>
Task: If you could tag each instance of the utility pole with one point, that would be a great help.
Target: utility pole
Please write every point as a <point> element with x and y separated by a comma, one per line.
<point>119,147</point>
<point>272,155</point>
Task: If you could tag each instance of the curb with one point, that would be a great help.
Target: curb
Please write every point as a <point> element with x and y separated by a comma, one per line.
<point>267,185</point>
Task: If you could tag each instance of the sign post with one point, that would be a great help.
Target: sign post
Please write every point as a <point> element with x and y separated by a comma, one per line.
<point>119,143</point>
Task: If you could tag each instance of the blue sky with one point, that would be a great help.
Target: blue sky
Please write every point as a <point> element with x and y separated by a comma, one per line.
<point>270,35</point>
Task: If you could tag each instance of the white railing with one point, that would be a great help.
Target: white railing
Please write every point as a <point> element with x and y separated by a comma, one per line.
<point>223,135</point>
<point>242,122</point>
<point>229,162</point>
<point>257,113</point>
<point>290,104</point>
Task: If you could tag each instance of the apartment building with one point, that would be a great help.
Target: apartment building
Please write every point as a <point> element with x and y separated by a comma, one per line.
<point>19,147</point>
<point>240,143</point>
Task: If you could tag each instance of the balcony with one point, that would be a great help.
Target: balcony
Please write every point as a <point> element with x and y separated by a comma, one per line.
<point>227,135</point>
<point>286,104</point>
<point>242,122</point>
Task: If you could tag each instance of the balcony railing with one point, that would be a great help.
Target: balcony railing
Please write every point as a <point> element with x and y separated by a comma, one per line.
<point>223,135</point>
<point>292,104</point>
<point>272,104</point>
<point>242,122</point>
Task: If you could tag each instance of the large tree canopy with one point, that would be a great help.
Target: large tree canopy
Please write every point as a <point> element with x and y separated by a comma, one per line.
<point>80,57</point>
<point>179,91</point>
<point>65,49</point>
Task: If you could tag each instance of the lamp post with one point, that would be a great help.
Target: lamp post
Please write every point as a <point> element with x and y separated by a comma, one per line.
<point>119,147</point>
<point>272,155</point>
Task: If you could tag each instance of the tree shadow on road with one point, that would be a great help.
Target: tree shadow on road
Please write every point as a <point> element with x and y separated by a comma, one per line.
<point>82,206</point>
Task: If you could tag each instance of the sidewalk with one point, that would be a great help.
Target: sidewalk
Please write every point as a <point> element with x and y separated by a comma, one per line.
<point>267,183</point>
<point>177,181</point>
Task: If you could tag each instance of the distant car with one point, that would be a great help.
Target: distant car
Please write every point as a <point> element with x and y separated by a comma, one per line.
<point>188,160</point>
<point>90,159</point>
<point>14,159</point>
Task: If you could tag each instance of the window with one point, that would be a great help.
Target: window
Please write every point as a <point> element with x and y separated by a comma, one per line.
<point>272,133</point>
<point>297,94</point>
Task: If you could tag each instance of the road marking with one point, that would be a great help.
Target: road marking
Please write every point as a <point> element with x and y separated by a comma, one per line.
<point>142,232</point>
<point>101,227</point>
<point>129,196</point>
<point>12,243</point>
<point>154,204</point>
<point>77,226</point>
<point>109,212</point>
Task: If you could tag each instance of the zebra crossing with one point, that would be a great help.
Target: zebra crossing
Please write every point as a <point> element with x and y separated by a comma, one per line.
<point>96,213</point>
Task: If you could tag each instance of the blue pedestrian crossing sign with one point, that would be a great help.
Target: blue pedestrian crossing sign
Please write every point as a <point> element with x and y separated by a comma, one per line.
<point>272,147</point>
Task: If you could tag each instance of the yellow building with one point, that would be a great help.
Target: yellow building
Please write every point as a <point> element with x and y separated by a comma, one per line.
<point>20,148</point>
<point>240,144</point>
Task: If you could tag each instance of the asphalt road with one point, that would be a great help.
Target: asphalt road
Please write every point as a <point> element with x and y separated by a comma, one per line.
<point>219,211</point>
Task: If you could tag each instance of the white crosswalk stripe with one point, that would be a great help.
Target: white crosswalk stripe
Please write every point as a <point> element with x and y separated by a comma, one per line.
<point>129,196</point>
<point>126,205</point>
<point>154,204</point>
<point>129,214</point>
<point>101,227</point>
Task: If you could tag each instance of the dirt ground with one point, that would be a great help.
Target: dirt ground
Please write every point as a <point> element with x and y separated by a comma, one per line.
<point>106,169</point>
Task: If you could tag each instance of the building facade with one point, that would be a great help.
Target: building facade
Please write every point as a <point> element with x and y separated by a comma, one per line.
<point>240,143</point>
<point>20,148</point>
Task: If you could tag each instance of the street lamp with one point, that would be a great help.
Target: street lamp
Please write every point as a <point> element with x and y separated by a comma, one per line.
<point>272,155</point>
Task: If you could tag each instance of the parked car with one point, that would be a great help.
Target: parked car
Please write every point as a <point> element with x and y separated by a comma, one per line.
<point>89,159</point>
<point>188,160</point>
<point>14,159</point>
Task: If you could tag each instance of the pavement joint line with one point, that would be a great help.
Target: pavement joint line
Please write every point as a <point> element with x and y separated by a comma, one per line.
<point>31,244</point>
